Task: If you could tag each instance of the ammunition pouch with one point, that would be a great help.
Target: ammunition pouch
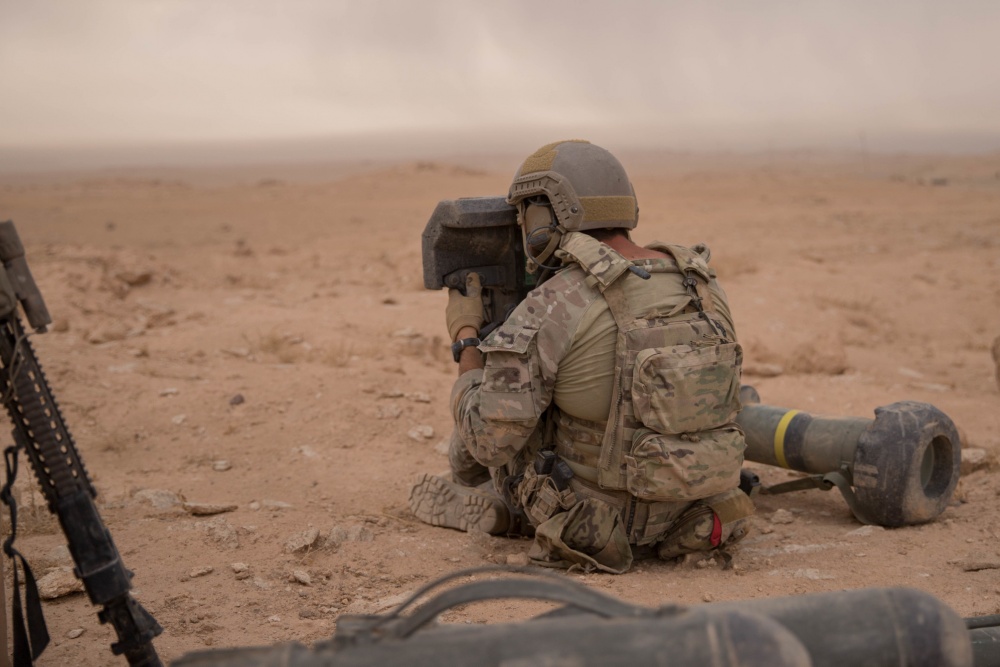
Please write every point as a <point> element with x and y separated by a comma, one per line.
<point>544,491</point>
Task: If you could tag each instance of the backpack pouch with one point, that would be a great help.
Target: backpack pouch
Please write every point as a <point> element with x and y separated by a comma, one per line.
<point>685,389</point>
<point>684,467</point>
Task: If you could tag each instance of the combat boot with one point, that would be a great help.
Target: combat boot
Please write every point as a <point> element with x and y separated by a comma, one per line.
<point>439,501</point>
<point>715,522</point>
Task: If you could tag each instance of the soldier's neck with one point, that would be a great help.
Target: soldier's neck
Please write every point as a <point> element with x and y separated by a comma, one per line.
<point>624,246</point>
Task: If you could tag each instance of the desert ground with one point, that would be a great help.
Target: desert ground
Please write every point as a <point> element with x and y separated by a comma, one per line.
<point>259,337</point>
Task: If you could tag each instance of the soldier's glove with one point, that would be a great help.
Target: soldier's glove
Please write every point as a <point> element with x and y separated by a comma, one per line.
<point>465,310</point>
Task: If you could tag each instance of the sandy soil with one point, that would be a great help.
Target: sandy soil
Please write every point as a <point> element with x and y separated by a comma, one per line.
<point>299,290</point>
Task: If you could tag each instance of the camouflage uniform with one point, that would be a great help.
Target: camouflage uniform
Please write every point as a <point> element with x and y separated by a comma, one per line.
<point>668,383</point>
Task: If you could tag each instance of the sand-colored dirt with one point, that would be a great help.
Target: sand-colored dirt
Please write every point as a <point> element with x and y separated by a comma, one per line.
<point>854,283</point>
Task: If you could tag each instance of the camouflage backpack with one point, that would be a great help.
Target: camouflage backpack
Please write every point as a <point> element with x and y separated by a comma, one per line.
<point>670,433</point>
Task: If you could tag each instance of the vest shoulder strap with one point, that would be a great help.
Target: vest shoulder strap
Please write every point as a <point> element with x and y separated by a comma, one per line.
<point>595,258</point>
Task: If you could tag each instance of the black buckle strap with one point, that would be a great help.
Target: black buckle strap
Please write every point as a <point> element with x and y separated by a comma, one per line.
<point>691,285</point>
<point>840,479</point>
<point>25,651</point>
<point>519,525</point>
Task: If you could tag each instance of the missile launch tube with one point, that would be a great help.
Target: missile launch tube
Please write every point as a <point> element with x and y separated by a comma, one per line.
<point>898,469</point>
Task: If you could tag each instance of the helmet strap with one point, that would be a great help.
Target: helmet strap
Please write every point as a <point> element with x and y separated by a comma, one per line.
<point>534,262</point>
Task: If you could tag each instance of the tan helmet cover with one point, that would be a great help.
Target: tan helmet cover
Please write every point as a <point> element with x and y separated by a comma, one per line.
<point>585,184</point>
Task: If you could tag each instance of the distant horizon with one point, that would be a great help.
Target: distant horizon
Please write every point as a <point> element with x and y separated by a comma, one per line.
<point>402,146</point>
<point>120,83</point>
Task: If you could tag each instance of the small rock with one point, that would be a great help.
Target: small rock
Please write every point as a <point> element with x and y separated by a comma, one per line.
<point>705,563</point>
<point>239,568</point>
<point>388,411</point>
<point>442,446</point>
<point>932,386</point>
<point>157,314</point>
<point>419,397</point>
<point>977,565</point>
<point>262,584</point>
<point>221,465</point>
<point>275,505</point>
<point>865,531</point>
<point>160,499</point>
<point>59,555</point>
<point>237,400</point>
<point>360,534</point>
<point>74,633</point>
<point>707,597</point>
<point>420,433</point>
<point>221,532</point>
<point>763,370</point>
<point>392,393</point>
<point>975,459</point>
<point>302,541</point>
<point>169,391</point>
<point>254,505</point>
<point>201,571</point>
<point>208,509</point>
<point>59,583</point>
<point>408,332</point>
<point>337,536</point>
<point>307,451</point>
<point>274,619</point>
<point>340,534</point>
<point>178,419</point>
<point>301,577</point>
<point>518,559</point>
<point>823,356</point>
<point>135,277</point>
<point>106,334</point>
<point>782,516</point>
<point>810,573</point>
<point>308,613</point>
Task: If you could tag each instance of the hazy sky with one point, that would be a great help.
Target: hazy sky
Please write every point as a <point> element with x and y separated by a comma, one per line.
<point>749,72</point>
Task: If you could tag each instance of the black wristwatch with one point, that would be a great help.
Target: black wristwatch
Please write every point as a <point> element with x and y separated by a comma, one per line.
<point>459,345</point>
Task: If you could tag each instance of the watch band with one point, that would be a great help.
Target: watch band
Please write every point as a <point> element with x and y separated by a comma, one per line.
<point>459,345</point>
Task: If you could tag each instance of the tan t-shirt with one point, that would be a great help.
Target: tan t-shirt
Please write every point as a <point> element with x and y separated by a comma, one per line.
<point>586,374</point>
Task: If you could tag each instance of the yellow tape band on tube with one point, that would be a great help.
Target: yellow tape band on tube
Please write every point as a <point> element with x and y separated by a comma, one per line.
<point>779,437</point>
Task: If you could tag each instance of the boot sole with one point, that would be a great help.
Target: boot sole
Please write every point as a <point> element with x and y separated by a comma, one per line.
<point>442,503</point>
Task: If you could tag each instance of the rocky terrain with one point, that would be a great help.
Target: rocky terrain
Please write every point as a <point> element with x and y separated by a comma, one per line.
<point>254,375</point>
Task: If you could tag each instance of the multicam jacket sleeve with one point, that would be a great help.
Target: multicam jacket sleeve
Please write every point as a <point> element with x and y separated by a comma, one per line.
<point>498,408</point>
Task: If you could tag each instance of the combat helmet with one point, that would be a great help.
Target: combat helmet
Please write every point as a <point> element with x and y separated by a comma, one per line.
<point>570,186</point>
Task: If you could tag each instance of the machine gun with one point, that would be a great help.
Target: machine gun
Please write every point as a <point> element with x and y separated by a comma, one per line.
<point>899,469</point>
<point>41,432</point>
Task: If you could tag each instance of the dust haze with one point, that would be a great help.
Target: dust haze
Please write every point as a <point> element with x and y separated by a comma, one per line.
<point>168,80</point>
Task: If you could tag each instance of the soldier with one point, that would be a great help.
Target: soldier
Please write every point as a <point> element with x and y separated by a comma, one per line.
<point>599,416</point>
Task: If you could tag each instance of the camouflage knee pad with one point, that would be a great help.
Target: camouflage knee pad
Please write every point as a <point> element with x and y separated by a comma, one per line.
<point>590,535</point>
<point>711,523</point>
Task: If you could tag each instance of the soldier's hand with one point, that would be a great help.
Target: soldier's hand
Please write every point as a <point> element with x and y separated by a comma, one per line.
<point>465,310</point>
